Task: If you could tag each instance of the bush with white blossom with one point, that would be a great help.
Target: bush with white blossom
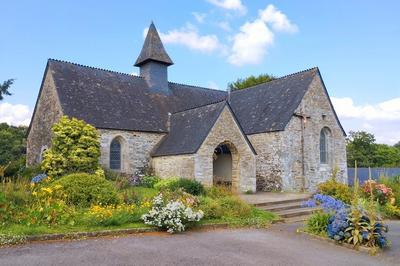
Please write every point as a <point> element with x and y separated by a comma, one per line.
<point>171,215</point>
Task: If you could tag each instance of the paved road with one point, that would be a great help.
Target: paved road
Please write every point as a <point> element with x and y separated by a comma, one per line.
<point>278,245</point>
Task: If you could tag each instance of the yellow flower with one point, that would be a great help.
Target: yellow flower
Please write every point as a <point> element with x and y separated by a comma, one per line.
<point>47,189</point>
<point>34,193</point>
<point>57,186</point>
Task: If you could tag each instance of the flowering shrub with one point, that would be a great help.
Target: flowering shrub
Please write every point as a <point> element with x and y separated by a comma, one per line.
<point>173,216</point>
<point>327,203</point>
<point>380,192</point>
<point>49,208</point>
<point>335,189</point>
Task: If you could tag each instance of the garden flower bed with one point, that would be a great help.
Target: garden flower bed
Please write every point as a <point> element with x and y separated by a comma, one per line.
<point>356,223</point>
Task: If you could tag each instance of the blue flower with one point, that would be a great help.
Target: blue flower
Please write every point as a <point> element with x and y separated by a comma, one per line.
<point>38,178</point>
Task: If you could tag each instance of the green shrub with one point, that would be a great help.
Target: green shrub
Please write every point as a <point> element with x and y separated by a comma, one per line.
<point>211,208</point>
<point>111,175</point>
<point>318,223</point>
<point>391,211</point>
<point>337,190</point>
<point>83,190</point>
<point>27,173</point>
<point>75,148</point>
<point>193,187</point>
<point>15,167</point>
<point>166,183</point>
<point>149,181</point>
<point>218,192</point>
<point>138,195</point>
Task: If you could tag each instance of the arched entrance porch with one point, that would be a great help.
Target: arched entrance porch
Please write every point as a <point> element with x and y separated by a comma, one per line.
<point>226,165</point>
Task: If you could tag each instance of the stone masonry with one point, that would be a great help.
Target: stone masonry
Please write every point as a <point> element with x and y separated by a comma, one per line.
<point>48,112</point>
<point>135,149</point>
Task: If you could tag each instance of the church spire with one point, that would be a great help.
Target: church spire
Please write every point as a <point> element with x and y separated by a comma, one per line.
<point>153,49</point>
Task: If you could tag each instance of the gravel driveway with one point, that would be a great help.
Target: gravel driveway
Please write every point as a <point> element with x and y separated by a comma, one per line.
<point>279,245</point>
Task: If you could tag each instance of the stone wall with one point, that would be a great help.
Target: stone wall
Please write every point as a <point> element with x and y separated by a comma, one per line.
<point>48,111</point>
<point>227,131</point>
<point>135,149</point>
<point>280,159</point>
<point>174,166</point>
<point>269,166</point>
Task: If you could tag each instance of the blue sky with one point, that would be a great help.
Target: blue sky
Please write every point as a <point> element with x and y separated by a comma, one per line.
<point>212,42</point>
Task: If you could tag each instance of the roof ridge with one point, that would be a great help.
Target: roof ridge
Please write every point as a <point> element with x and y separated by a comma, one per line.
<point>96,68</point>
<point>199,106</point>
<point>286,76</point>
<point>194,86</point>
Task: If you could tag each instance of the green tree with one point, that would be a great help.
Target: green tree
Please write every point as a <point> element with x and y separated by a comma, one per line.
<point>75,148</point>
<point>386,156</point>
<point>361,148</point>
<point>5,87</point>
<point>397,145</point>
<point>250,81</point>
<point>12,143</point>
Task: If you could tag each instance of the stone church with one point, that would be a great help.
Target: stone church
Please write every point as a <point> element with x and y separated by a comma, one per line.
<point>279,135</point>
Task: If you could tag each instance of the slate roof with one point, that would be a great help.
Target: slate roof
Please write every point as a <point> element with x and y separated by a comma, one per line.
<point>189,128</point>
<point>112,100</point>
<point>153,49</point>
<point>269,106</point>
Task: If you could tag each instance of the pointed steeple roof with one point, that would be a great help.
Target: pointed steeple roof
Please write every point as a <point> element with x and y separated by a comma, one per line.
<point>153,49</point>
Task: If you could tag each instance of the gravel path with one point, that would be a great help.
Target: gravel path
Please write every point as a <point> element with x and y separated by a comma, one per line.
<point>279,245</point>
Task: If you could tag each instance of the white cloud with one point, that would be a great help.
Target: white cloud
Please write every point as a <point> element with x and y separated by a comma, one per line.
<point>278,21</point>
<point>382,119</point>
<point>251,44</point>
<point>16,115</point>
<point>387,110</point>
<point>235,5</point>
<point>199,17</point>
<point>224,25</point>
<point>213,85</point>
<point>189,37</point>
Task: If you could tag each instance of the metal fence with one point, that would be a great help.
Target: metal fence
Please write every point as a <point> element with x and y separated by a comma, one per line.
<point>363,173</point>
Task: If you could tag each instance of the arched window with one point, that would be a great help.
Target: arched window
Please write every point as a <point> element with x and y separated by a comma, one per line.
<point>115,155</point>
<point>324,145</point>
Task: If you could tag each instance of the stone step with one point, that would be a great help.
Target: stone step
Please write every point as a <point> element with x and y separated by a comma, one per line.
<point>296,212</point>
<point>278,202</point>
<point>282,206</point>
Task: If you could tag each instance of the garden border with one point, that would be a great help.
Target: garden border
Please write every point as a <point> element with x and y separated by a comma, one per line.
<point>103,233</point>
<point>370,251</point>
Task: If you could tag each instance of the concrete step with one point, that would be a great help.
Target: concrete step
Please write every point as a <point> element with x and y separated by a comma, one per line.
<point>296,212</point>
<point>282,206</point>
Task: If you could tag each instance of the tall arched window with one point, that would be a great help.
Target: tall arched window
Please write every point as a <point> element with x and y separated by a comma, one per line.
<point>324,145</point>
<point>115,155</point>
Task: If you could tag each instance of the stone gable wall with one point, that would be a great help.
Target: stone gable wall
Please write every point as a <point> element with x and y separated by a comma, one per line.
<point>135,149</point>
<point>226,130</point>
<point>316,105</point>
<point>280,160</point>
<point>48,112</point>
